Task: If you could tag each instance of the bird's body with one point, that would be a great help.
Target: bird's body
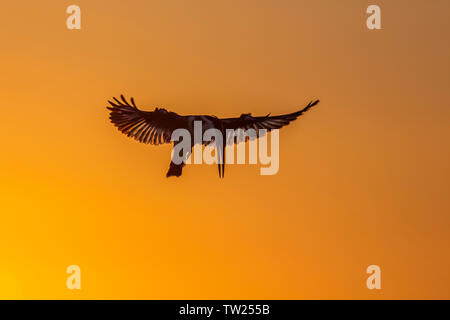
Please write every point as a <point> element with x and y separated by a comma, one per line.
<point>156,127</point>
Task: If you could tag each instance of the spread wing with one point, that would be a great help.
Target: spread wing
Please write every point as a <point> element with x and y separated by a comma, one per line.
<point>154,127</point>
<point>246,121</point>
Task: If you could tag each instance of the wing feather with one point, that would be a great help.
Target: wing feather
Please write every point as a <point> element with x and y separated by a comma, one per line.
<point>246,122</point>
<point>156,127</point>
<point>153,127</point>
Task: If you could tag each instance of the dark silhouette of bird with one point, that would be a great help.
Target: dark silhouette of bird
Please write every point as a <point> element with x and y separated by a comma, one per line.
<point>156,127</point>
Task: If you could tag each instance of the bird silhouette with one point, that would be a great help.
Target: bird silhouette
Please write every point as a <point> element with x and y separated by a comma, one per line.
<point>156,127</point>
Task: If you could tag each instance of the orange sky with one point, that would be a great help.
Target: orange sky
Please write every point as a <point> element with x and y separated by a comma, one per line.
<point>364,177</point>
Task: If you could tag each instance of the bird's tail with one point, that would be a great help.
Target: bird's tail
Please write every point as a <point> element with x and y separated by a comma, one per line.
<point>175,170</point>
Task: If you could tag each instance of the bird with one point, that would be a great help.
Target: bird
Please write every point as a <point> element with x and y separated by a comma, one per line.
<point>156,127</point>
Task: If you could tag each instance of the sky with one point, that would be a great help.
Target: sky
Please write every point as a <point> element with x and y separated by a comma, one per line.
<point>363,178</point>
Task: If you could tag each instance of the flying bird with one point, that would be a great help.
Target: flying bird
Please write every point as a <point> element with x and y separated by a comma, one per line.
<point>156,127</point>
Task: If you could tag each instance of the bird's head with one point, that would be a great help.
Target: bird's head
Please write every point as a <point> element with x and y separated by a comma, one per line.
<point>161,110</point>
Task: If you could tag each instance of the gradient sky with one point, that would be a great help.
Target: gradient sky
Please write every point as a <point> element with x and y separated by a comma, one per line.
<point>363,179</point>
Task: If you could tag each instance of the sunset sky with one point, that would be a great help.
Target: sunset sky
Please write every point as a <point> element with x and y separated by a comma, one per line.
<point>364,177</point>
